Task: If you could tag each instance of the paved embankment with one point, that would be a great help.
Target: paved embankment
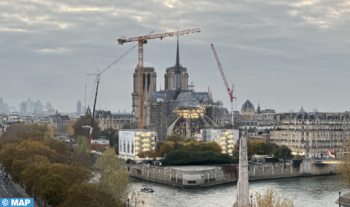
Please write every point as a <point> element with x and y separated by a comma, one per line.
<point>12,190</point>
<point>204,176</point>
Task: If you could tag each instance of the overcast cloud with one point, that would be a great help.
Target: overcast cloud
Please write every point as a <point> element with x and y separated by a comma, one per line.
<point>281,53</point>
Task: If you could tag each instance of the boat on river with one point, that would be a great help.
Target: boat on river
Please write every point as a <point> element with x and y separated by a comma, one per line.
<point>146,189</point>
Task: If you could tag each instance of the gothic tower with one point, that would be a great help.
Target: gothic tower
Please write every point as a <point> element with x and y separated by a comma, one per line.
<point>176,77</point>
<point>149,86</point>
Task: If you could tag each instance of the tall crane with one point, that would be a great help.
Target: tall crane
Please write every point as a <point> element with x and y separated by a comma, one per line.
<point>230,91</point>
<point>97,79</point>
<point>141,41</point>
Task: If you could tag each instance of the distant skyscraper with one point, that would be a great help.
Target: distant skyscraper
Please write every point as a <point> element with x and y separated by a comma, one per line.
<point>29,105</point>
<point>48,106</point>
<point>24,107</point>
<point>39,107</point>
<point>79,107</point>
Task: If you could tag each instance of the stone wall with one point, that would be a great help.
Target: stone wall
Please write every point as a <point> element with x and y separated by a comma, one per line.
<point>217,175</point>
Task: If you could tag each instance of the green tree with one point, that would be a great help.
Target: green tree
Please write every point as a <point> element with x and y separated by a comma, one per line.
<point>191,139</point>
<point>83,121</point>
<point>114,177</point>
<point>175,138</point>
<point>266,148</point>
<point>252,148</point>
<point>82,152</point>
<point>166,147</point>
<point>283,152</point>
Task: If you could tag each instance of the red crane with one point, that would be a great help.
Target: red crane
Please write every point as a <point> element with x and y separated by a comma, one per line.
<point>230,91</point>
<point>141,41</point>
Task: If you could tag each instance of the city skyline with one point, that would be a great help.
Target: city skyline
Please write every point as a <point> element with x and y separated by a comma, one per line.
<point>286,55</point>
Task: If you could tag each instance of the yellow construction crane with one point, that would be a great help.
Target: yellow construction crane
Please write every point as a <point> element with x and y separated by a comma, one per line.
<point>143,40</point>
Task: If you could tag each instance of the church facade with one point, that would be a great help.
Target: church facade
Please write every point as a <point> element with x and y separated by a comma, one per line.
<point>176,109</point>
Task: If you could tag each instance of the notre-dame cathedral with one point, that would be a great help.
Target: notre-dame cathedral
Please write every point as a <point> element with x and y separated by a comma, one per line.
<point>177,108</point>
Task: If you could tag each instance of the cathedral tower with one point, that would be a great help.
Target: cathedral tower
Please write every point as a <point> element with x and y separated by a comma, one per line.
<point>176,77</point>
<point>149,86</point>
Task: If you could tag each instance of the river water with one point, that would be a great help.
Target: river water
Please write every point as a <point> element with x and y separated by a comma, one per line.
<point>320,191</point>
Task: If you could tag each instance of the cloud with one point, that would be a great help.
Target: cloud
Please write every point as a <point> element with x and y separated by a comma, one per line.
<point>281,52</point>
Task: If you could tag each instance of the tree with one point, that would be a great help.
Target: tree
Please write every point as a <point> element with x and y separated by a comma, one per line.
<point>344,167</point>
<point>83,121</point>
<point>264,148</point>
<point>252,146</point>
<point>53,188</point>
<point>114,177</point>
<point>82,152</point>
<point>191,139</point>
<point>90,195</point>
<point>26,153</point>
<point>166,147</point>
<point>7,155</point>
<point>270,198</point>
<point>15,130</point>
<point>54,180</point>
<point>64,154</point>
<point>175,138</point>
<point>31,173</point>
<point>18,132</point>
<point>70,129</point>
<point>283,152</point>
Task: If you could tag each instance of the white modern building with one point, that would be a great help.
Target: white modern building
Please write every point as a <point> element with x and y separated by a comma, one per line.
<point>133,141</point>
<point>226,138</point>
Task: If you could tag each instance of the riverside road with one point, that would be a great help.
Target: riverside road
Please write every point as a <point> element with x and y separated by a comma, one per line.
<point>9,190</point>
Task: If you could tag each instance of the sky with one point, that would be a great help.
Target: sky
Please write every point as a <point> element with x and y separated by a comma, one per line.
<point>282,54</point>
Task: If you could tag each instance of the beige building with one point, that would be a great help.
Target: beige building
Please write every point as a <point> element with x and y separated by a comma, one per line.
<point>312,134</point>
<point>116,121</point>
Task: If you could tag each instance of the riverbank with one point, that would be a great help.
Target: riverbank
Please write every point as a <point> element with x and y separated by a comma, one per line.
<point>206,176</point>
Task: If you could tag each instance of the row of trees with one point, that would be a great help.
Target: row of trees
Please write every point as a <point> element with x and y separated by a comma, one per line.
<point>62,178</point>
<point>264,148</point>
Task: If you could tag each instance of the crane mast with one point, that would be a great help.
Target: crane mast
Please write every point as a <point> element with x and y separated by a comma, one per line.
<point>97,79</point>
<point>229,91</point>
<point>141,41</point>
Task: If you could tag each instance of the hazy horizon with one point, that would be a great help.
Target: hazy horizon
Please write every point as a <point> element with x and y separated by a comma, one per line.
<point>279,53</point>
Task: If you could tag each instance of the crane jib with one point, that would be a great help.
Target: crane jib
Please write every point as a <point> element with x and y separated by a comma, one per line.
<point>169,34</point>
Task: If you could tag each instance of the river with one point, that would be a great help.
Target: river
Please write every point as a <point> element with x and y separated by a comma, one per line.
<point>320,191</point>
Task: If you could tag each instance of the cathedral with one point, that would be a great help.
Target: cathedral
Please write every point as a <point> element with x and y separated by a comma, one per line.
<point>177,109</point>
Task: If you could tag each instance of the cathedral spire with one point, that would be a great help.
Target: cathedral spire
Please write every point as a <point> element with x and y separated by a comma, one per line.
<point>177,64</point>
<point>178,76</point>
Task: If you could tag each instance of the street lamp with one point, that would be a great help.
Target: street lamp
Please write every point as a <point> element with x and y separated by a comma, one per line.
<point>251,200</point>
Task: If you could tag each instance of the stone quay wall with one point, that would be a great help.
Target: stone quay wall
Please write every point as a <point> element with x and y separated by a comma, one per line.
<point>207,176</point>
